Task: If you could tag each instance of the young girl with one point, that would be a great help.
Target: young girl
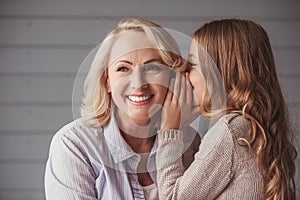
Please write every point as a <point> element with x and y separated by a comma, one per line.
<point>248,152</point>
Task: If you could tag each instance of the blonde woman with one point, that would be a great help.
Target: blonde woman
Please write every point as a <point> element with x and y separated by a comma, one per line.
<point>109,153</point>
<point>248,153</point>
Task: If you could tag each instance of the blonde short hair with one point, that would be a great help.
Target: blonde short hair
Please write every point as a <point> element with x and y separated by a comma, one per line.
<point>96,104</point>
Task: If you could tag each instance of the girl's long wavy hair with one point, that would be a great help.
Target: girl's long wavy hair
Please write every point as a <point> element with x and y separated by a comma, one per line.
<point>242,53</point>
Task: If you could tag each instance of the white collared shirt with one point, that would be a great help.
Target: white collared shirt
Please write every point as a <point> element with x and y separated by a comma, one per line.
<point>87,163</point>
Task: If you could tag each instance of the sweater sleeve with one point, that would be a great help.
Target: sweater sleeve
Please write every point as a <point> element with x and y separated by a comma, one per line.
<point>210,172</point>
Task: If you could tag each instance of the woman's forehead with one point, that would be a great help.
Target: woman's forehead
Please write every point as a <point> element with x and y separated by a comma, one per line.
<point>133,45</point>
<point>139,56</point>
<point>129,41</point>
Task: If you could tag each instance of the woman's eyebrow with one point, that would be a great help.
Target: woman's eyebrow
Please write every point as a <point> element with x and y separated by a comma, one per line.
<point>148,61</point>
<point>125,61</point>
<point>153,60</point>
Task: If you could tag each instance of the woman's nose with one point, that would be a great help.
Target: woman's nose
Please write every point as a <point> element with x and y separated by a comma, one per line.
<point>138,79</point>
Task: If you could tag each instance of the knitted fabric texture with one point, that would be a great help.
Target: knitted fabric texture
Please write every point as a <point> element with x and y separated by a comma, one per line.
<point>222,168</point>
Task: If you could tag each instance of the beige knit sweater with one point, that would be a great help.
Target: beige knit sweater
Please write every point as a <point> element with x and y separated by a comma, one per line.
<point>222,168</point>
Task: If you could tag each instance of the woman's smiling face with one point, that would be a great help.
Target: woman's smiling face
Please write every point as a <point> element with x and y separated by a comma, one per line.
<point>137,79</point>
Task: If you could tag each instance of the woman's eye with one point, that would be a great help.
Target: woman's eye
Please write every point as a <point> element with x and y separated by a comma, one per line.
<point>152,69</point>
<point>123,69</point>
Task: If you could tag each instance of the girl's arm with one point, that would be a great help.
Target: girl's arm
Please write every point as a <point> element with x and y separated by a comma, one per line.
<point>211,170</point>
<point>209,173</point>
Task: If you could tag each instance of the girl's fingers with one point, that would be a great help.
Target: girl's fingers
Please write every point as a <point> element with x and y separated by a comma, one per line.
<point>183,89</point>
<point>170,90</point>
<point>195,101</point>
<point>189,90</point>
<point>177,88</point>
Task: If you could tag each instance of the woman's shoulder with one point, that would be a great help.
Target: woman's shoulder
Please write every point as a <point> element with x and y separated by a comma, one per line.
<point>78,127</point>
<point>80,139</point>
<point>79,134</point>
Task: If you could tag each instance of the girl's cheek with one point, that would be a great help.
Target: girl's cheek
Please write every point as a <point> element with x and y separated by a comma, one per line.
<point>192,78</point>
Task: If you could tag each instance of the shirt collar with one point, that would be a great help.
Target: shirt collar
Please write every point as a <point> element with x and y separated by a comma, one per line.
<point>118,147</point>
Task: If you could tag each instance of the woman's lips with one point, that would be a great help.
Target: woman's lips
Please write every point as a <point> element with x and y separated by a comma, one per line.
<point>139,99</point>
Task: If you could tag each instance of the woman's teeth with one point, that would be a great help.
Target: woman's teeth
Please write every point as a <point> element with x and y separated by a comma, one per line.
<point>139,99</point>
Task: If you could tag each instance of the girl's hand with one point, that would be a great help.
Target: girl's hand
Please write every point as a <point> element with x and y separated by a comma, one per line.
<point>179,107</point>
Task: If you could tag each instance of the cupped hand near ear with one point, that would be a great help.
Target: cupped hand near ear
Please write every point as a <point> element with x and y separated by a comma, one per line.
<point>179,108</point>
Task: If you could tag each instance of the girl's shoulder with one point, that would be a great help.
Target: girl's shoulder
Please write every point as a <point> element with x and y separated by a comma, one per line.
<point>232,123</point>
<point>237,124</point>
<point>229,127</point>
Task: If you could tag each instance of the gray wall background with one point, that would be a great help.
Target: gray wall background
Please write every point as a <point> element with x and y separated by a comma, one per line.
<point>42,44</point>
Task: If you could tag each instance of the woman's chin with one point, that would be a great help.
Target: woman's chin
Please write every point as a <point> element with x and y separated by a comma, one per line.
<point>140,119</point>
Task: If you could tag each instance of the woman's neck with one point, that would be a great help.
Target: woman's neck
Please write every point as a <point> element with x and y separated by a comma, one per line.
<point>139,145</point>
<point>140,137</point>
